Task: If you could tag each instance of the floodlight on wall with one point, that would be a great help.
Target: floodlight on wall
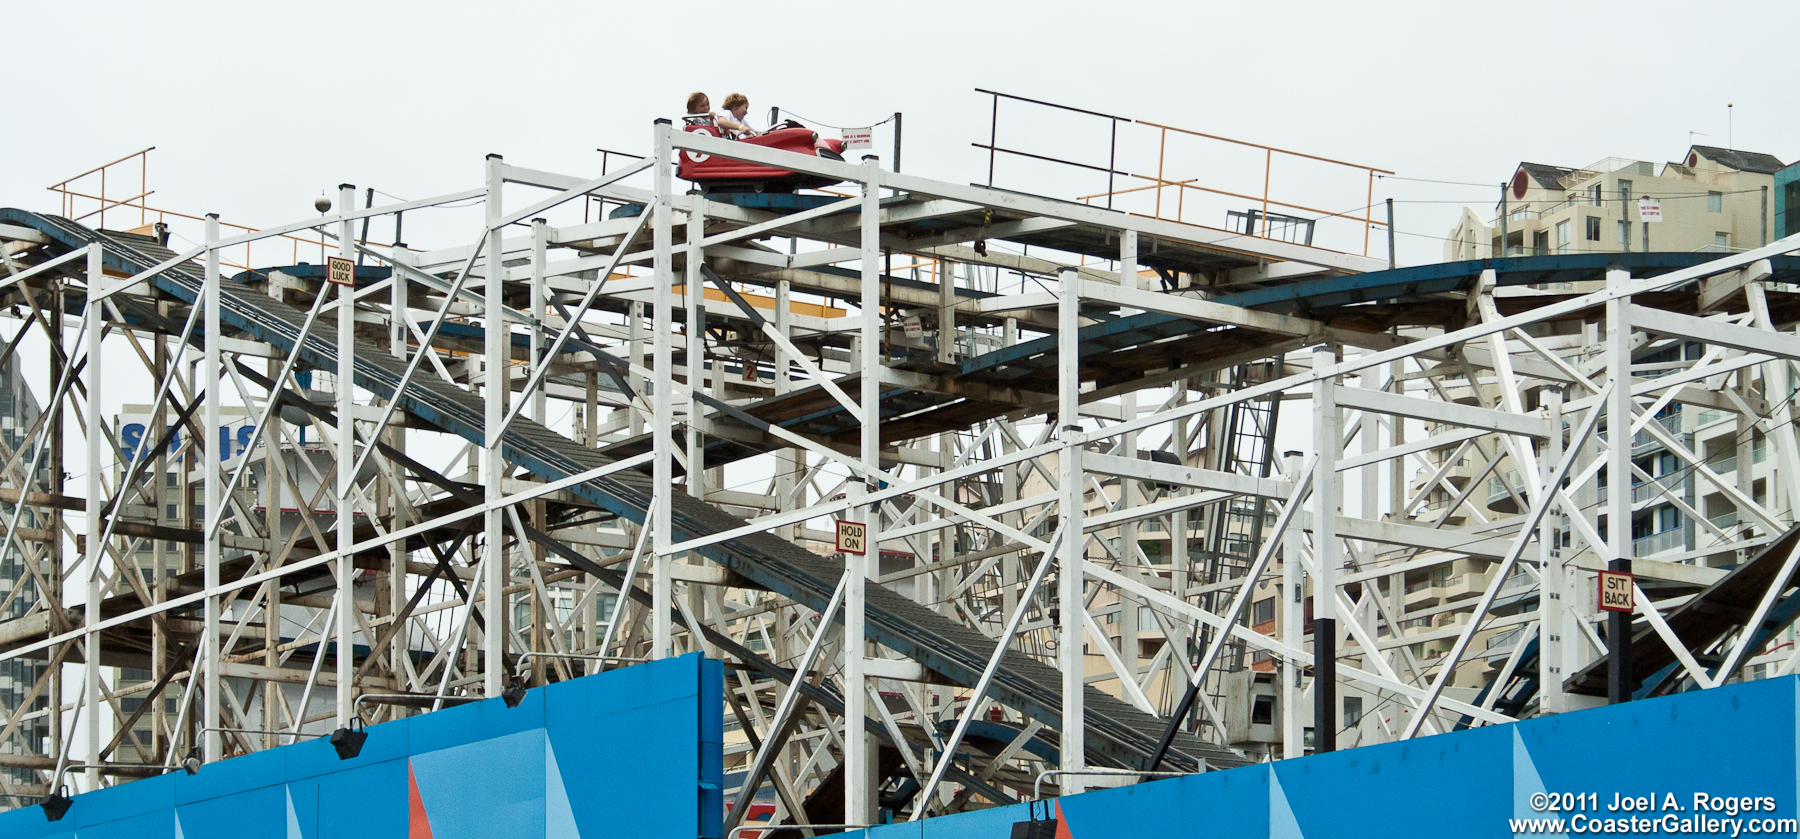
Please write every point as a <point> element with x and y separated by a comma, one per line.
<point>348,741</point>
<point>514,694</point>
<point>192,763</point>
<point>1034,827</point>
<point>56,804</point>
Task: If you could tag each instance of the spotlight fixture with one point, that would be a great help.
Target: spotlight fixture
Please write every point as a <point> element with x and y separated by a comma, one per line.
<point>348,741</point>
<point>56,804</point>
<point>514,694</point>
<point>1036,828</point>
<point>192,762</point>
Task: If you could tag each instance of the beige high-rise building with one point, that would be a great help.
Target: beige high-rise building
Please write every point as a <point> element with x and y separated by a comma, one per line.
<point>1714,199</point>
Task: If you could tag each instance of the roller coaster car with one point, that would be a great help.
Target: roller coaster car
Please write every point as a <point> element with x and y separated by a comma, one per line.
<point>717,174</point>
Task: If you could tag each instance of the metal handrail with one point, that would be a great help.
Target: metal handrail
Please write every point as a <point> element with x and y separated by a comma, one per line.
<point>56,781</point>
<point>1037,787</point>
<point>356,707</point>
<point>540,654</point>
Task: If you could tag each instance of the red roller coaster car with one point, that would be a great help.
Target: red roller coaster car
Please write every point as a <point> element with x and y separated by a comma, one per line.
<point>718,174</point>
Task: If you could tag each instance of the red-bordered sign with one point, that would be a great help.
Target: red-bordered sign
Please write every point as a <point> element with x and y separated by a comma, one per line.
<point>340,271</point>
<point>1618,591</point>
<point>852,537</point>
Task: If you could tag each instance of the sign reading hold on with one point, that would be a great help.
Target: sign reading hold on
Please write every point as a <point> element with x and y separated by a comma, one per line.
<point>1618,591</point>
<point>852,537</point>
<point>1649,209</point>
<point>859,138</point>
<point>340,271</point>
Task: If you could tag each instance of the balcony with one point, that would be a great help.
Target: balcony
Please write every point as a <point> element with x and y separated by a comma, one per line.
<point>1671,423</point>
<point>1647,490</point>
<point>1673,539</point>
<point>1498,499</point>
<point>1438,589</point>
<point>1437,621</point>
<point>1626,165</point>
<point>1504,639</point>
<point>1440,511</point>
<point>1727,464</point>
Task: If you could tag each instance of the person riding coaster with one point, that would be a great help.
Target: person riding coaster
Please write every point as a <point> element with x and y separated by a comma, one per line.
<point>718,174</point>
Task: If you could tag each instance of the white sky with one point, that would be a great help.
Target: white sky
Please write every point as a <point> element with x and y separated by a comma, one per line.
<point>254,108</point>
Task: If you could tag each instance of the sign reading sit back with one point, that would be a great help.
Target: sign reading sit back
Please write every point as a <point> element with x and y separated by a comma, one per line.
<point>1618,591</point>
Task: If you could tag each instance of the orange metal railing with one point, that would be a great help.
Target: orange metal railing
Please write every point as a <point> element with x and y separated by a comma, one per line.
<point>1162,184</point>
<point>1125,140</point>
<point>81,200</point>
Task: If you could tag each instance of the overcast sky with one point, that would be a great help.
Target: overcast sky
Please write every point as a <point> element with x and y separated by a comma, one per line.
<point>256,107</point>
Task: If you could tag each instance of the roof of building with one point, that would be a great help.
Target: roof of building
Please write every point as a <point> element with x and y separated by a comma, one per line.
<point>1743,161</point>
<point>1546,175</point>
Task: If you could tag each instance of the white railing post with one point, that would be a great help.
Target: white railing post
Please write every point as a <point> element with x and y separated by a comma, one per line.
<point>496,387</point>
<point>1072,651</point>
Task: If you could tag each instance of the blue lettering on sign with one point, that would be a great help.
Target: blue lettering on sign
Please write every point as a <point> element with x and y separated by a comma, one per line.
<point>233,440</point>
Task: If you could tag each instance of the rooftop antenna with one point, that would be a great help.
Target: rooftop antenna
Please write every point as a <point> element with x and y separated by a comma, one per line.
<point>1728,136</point>
<point>1693,134</point>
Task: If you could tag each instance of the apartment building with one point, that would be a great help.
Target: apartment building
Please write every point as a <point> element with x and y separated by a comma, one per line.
<point>1787,201</point>
<point>19,412</point>
<point>1713,199</point>
<point>174,487</point>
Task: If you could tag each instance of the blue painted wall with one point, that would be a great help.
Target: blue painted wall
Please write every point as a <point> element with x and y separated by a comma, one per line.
<point>632,752</point>
<point>1737,741</point>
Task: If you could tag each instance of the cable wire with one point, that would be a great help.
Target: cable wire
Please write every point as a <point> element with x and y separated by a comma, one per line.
<point>811,121</point>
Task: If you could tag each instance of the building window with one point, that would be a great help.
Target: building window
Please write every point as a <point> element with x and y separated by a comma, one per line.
<point>1722,241</point>
<point>1625,233</point>
<point>1624,192</point>
<point>1791,208</point>
<point>1562,237</point>
<point>1715,202</point>
<point>1352,711</point>
<point>1594,196</point>
<point>1593,228</point>
<point>1262,611</point>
